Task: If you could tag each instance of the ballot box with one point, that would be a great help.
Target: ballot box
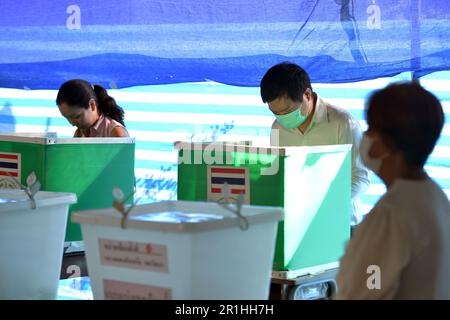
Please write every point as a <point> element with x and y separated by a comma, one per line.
<point>88,167</point>
<point>312,184</point>
<point>180,250</point>
<point>31,242</point>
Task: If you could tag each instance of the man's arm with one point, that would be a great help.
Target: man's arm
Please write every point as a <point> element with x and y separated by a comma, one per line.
<point>351,133</point>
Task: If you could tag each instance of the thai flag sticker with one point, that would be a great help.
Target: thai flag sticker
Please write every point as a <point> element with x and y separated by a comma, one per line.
<point>10,170</point>
<point>237,179</point>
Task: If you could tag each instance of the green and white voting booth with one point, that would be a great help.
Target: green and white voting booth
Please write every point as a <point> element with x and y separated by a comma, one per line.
<point>88,167</point>
<point>312,184</point>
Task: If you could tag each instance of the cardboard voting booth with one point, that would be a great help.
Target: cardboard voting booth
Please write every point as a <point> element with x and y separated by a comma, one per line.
<point>312,184</point>
<point>88,167</point>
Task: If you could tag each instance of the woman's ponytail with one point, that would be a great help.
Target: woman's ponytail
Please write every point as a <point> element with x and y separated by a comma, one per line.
<point>107,105</point>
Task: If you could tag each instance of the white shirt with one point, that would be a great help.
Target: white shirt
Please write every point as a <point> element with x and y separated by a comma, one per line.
<point>407,235</point>
<point>330,125</point>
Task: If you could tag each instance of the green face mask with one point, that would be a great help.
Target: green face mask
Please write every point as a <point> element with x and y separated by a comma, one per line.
<point>291,120</point>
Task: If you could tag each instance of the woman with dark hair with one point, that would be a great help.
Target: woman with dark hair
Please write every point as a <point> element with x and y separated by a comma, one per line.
<point>402,249</point>
<point>91,110</point>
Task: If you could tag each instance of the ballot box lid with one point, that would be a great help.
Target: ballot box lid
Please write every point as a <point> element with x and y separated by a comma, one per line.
<point>180,216</point>
<point>17,199</point>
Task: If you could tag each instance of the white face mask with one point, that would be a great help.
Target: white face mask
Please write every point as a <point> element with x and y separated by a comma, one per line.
<point>373,164</point>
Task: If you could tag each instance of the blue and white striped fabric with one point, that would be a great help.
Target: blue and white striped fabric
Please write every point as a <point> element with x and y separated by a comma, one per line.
<point>159,115</point>
<point>151,42</point>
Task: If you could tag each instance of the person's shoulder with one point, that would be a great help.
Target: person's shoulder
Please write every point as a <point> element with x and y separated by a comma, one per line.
<point>338,113</point>
<point>77,134</point>
<point>112,121</point>
<point>388,215</point>
<point>418,194</point>
<point>396,205</point>
<point>436,190</point>
<point>277,125</point>
<point>119,132</point>
<point>115,128</point>
<point>341,116</point>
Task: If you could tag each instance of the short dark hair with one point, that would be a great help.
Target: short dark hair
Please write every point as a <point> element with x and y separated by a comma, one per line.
<point>408,117</point>
<point>284,79</point>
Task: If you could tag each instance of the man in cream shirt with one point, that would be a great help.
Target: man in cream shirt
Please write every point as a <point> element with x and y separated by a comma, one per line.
<point>304,119</point>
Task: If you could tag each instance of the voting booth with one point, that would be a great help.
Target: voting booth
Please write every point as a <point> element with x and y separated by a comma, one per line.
<point>88,167</point>
<point>312,184</point>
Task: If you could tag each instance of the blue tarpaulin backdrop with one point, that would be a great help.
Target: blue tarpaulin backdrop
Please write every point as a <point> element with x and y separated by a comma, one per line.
<point>140,42</point>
